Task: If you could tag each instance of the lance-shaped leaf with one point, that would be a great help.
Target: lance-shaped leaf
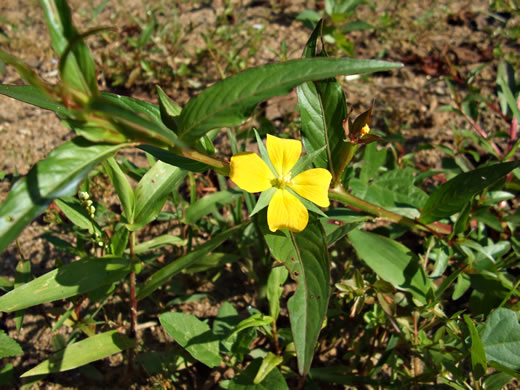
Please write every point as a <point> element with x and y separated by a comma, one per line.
<point>161,276</point>
<point>208,204</point>
<point>133,124</point>
<point>306,258</point>
<point>152,190</point>
<point>323,109</point>
<point>67,281</point>
<point>169,110</point>
<point>453,195</point>
<point>78,68</point>
<point>478,354</point>
<point>30,76</point>
<point>145,109</point>
<point>311,110</point>
<point>83,352</point>
<point>58,175</point>
<point>122,186</point>
<point>174,159</point>
<point>230,101</point>
<point>33,95</point>
<point>392,262</point>
<point>247,380</point>
<point>193,335</point>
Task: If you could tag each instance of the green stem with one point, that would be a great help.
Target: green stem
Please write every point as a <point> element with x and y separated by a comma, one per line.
<point>133,301</point>
<point>341,195</point>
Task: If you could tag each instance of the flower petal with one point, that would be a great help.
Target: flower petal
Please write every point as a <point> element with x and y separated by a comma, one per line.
<point>250,172</point>
<point>283,153</point>
<point>313,185</point>
<point>285,211</point>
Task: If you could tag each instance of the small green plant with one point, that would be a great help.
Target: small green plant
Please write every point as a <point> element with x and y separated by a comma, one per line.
<point>342,17</point>
<point>427,298</point>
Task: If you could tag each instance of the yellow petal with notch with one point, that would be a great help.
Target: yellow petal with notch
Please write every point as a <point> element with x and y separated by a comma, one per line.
<point>250,172</point>
<point>285,211</point>
<point>313,185</point>
<point>283,153</point>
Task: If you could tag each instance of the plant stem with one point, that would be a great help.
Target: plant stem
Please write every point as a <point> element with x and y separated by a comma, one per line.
<point>133,300</point>
<point>275,339</point>
<point>341,195</point>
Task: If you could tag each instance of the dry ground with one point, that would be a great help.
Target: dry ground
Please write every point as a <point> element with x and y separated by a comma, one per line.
<point>441,40</point>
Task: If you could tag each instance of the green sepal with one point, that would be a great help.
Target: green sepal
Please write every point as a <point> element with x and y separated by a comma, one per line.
<point>263,200</point>
<point>264,154</point>
<point>308,204</point>
<point>306,161</point>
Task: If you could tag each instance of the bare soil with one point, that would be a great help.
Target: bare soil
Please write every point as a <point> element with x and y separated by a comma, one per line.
<point>444,39</point>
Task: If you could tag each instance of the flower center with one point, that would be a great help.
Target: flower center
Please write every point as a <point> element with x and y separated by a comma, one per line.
<point>284,180</point>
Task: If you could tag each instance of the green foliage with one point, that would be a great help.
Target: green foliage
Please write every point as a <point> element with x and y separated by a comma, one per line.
<point>83,352</point>
<point>9,347</point>
<point>194,335</point>
<point>408,279</point>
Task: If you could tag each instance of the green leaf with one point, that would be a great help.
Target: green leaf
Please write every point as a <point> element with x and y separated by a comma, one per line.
<point>174,159</point>
<point>145,109</point>
<point>193,335</point>
<point>208,204</point>
<point>373,159</point>
<point>8,347</point>
<point>478,354</point>
<point>30,76</point>
<point>161,276</point>
<point>83,352</point>
<point>501,338</point>
<point>340,221</point>
<point>451,196</point>
<point>169,110</point>
<point>306,258</point>
<point>254,321</point>
<point>122,186</point>
<point>393,190</point>
<point>67,281</point>
<point>73,210</point>
<point>58,175</point>
<point>227,319</point>
<point>505,77</point>
<point>133,122</point>
<point>78,69</point>
<point>152,191</point>
<point>213,260</point>
<point>507,94</point>
<point>497,381</point>
<point>392,262</point>
<point>246,380</point>
<point>7,374</point>
<point>159,242</point>
<point>119,240</point>
<point>275,281</point>
<point>269,363</point>
<point>230,101</point>
<point>314,126</point>
<point>33,95</point>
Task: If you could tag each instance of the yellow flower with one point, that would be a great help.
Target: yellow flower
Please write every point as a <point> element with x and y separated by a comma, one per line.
<point>285,211</point>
